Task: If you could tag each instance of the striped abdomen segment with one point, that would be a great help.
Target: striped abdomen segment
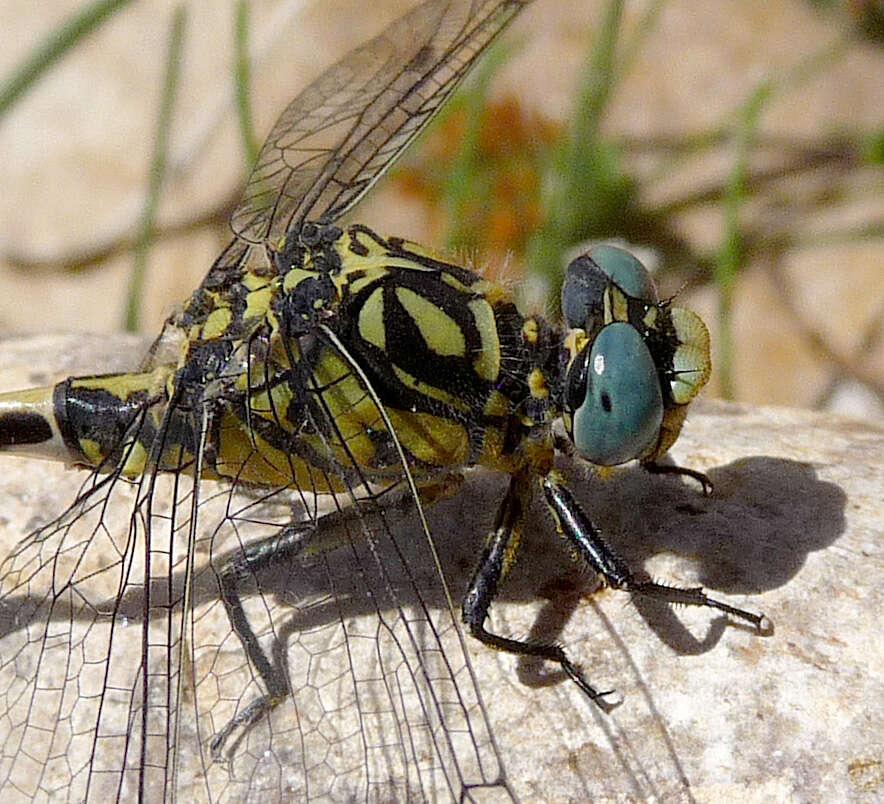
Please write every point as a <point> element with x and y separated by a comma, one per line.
<point>105,421</point>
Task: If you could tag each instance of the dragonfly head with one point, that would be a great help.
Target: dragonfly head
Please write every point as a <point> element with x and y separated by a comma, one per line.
<point>632,363</point>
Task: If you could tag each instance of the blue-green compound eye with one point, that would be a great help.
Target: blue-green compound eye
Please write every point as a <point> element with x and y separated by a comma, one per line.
<point>625,269</point>
<point>621,412</point>
<point>590,274</point>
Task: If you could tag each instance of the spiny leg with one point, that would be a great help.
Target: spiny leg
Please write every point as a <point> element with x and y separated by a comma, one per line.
<point>494,564</point>
<point>586,540</point>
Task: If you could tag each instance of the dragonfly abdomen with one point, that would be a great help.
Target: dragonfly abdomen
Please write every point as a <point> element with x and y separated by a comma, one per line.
<point>104,421</point>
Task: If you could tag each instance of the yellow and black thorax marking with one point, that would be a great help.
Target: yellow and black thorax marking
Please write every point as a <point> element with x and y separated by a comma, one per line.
<point>462,376</point>
<point>274,362</point>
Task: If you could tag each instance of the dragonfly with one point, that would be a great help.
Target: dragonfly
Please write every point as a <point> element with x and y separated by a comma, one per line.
<point>274,455</point>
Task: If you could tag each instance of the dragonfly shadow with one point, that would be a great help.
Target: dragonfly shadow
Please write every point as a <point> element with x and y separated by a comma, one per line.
<point>752,534</point>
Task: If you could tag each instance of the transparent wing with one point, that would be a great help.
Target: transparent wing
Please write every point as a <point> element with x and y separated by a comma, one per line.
<point>87,611</point>
<point>118,662</point>
<point>345,129</point>
<point>118,659</point>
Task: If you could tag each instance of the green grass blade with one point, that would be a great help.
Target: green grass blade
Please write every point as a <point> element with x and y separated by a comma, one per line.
<point>242,83</point>
<point>157,169</point>
<point>585,186</point>
<point>48,52</point>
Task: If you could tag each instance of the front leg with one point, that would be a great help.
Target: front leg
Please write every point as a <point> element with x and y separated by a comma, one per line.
<point>654,468</point>
<point>565,446</point>
<point>586,540</point>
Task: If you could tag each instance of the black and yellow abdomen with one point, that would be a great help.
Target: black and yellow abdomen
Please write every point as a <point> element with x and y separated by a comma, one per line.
<point>105,421</point>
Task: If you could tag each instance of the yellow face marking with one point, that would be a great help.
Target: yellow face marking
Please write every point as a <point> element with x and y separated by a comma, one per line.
<point>371,320</point>
<point>691,361</point>
<point>650,317</point>
<point>439,331</point>
<point>487,361</point>
<point>619,306</point>
<point>575,342</point>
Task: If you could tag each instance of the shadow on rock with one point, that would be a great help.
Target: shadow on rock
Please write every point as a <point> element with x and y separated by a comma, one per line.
<point>753,534</point>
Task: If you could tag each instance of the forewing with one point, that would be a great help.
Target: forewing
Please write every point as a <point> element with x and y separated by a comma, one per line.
<point>118,662</point>
<point>338,136</point>
<point>382,704</point>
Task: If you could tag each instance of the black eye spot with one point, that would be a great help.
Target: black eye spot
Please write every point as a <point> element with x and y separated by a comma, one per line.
<point>575,387</point>
<point>606,402</point>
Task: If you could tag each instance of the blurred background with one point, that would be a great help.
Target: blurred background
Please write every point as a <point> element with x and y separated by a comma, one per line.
<point>738,145</point>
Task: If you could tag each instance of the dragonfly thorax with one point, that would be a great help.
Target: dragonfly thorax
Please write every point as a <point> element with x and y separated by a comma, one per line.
<point>358,337</point>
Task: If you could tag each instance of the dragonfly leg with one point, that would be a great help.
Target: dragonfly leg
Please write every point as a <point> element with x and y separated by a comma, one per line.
<point>671,469</point>
<point>253,559</point>
<point>495,562</point>
<point>587,541</point>
<point>324,534</point>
